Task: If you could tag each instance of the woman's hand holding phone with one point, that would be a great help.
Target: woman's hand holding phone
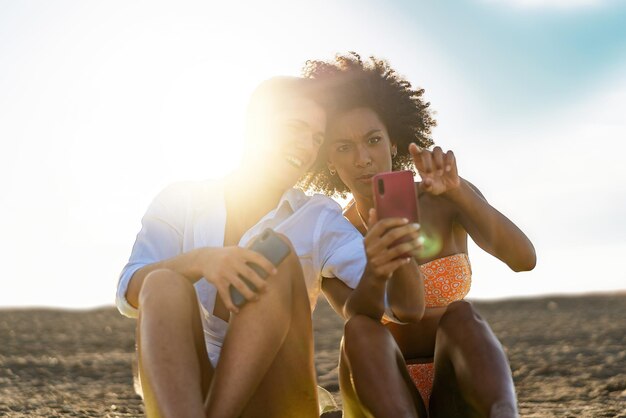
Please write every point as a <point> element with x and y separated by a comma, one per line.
<point>390,243</point>
<point>396,235</point>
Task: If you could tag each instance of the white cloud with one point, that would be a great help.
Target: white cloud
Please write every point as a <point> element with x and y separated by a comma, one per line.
<point>548,4</point>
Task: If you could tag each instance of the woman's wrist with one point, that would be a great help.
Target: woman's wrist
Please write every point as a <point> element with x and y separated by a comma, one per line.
<point>460,195</point>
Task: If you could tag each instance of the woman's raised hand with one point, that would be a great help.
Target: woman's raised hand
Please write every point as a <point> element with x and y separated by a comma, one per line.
<point>438,170</point>
<point>225,266</point>
<point>384,252</point>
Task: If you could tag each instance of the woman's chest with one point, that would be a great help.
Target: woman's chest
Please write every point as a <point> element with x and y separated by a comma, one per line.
<point>441,232</point>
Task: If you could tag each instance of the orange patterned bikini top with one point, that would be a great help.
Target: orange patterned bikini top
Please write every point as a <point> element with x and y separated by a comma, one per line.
<point>446,279</point>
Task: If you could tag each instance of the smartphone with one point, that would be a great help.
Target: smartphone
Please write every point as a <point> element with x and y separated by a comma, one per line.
<point>271,247</point>
<point>395,196</point>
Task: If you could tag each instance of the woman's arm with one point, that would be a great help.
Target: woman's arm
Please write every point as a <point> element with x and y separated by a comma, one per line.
<point>405,294</point>
<point>490,229</point>
<point>390,269</point>
<point>336,292</point>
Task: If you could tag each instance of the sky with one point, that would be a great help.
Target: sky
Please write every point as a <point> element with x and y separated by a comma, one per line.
<point>102,104</point>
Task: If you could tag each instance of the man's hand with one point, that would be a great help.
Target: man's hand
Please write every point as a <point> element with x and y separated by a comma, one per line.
<point>225,266</point>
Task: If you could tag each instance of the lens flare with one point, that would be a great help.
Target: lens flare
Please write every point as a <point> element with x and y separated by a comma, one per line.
<point>432,244</point>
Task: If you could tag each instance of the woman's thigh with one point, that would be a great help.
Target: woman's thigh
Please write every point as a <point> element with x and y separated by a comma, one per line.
<point>471,371</point>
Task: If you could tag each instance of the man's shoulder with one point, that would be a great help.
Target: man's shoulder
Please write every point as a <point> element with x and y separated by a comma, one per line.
<point>316,201</point>
<point>191,190</point>
<point>185,195</point>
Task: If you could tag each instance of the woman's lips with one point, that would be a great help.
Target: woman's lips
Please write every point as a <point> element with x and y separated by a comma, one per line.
<point>366,178</point>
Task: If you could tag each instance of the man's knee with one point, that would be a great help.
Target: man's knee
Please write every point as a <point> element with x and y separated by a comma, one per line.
<point>290,268</point>
<point>164,286</point>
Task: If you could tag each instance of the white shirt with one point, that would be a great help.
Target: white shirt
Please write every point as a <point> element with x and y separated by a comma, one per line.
<point>191,215</point>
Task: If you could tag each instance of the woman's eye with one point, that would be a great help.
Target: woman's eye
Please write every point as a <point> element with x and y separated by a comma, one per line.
<point>342,148</point>
<point>374,140</point>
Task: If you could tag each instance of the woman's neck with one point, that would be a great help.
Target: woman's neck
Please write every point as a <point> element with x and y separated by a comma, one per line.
<point>362,206</point>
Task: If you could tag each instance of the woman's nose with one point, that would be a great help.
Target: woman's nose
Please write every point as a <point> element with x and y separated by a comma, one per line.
<point>363,158</point>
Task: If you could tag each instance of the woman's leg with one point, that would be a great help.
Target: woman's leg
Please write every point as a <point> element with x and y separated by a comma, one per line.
<point>373,376</point>
<point>173,364</point>
<point>266,367</point>
<point>352,408</point>
<point>472,374</point>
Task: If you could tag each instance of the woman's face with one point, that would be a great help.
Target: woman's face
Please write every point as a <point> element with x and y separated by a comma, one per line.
<point>293,137</point>
<point>358,148</point>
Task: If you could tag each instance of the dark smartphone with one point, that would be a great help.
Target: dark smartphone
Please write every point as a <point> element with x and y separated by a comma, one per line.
<point>271,247</point>
<point>395,196</point>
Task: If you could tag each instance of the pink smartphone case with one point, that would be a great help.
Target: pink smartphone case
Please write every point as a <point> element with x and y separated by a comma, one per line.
<point>397,198</point>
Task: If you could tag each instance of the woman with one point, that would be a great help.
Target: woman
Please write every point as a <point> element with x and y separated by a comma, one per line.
<point>190,250</point>
<point>381,124</point>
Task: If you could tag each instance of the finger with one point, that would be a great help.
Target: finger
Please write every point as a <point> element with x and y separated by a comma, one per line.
<point>450,162</point>
<point>253,276</point>
<point>419,242</point>
<point>426,158</point>
<point>377,271</point>
<point>372,217</point>
<point>381,227</point>
<point>380,259</point>
<point>224,293</point>
<point>388,223</point>
<point>416,154</point>
<point>406,232</point>
<point>376,241</point>
<point>395,250</point>
<point>389,268</point>
<point>375,251</point>
<point>239,284</point>
<point>412,248</point>
<point>258,259</point>
<point>437,158</point>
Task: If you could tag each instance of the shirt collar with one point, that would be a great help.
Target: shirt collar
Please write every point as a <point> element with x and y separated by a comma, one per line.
<point>290,202</point>
<point>293,198</point>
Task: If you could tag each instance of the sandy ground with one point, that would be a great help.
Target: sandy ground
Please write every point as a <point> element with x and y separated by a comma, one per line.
<point>568,357</point>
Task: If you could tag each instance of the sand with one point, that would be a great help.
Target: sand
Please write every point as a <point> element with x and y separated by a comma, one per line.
<point>568,357</point>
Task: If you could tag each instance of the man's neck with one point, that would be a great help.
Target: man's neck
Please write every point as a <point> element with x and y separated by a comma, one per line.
<point>251,198</point>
